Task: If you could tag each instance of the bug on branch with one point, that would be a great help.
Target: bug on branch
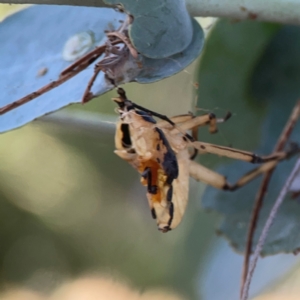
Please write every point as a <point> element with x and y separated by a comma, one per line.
<point>163,152</point>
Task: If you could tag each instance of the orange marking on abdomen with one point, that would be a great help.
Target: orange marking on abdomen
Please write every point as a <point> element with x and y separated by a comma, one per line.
<point>157,178</point>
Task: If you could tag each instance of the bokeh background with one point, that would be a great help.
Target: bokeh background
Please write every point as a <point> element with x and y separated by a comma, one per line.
<point>75,223</point>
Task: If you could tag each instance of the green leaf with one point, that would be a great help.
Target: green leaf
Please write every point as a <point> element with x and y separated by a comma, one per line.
<point>230,55</point>
<point>264,99</point>
<point>160,28</point>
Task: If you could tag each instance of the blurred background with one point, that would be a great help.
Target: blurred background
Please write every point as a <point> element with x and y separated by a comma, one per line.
<point>75,222</point>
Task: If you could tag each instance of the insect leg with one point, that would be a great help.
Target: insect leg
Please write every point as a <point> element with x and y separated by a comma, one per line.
<point>194,122</point>
<point>125,40</point>
<point>65,75</point>
<point>177,120</point>
<point>42,90</point>
<point>88,95</point>
<point>219,181</point>
<point>89,57</point>
<point>124,154</point>
<point>201,173</point>
<point>189,121</point>
<point>244,155</point>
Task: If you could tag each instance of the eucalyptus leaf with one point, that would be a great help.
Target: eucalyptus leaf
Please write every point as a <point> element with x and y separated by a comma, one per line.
<point>35,56</point>
<point>156,69</point>
<point>160,28</point>
<point>32,40</point>
<point>264,98</point>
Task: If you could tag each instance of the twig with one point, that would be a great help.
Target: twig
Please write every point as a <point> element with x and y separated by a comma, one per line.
<point>281,11</point>
<point>263,189</point>
<point>267,226</point>
<point>126,41</point>
<point>98,3</point>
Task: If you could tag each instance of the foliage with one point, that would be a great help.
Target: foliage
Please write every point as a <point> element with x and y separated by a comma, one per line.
<point>21,68</point>
<point>70,206</point>
<point>263,64</point>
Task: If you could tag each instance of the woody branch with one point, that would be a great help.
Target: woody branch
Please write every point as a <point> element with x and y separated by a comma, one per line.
<point>281,11</point>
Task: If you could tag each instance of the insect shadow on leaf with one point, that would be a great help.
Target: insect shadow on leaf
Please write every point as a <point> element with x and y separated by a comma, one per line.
<point>163,152</point>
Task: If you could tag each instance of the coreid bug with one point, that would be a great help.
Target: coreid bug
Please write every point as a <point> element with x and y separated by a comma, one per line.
<point>163,152</point>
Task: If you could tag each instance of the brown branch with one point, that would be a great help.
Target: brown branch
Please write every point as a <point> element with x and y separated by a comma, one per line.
<point>263,189</point>
<point>266,229</point>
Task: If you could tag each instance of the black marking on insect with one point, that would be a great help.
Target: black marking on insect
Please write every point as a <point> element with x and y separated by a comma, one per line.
<point>160,152</point>
<point>169,161</point>
<point>170,194</point>
<point>153,213</point>
<point>171,212</point>
<point>146,117</point>
<point>126,140</point>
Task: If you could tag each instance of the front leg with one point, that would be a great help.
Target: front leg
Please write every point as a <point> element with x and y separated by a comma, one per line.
<point>88,95</point>
<point>194,123</point>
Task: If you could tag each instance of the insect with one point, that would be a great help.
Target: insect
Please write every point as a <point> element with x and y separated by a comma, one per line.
<point>163,152</point>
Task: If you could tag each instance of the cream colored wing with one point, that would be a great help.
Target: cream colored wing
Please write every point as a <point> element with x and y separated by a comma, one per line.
<point>169,212</point>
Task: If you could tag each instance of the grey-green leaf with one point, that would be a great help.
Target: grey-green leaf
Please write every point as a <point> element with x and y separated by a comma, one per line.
<point>32,41</point>
<point>161,28</point>
<point>266,97</point>
<point>156,69</point>
<point>35,56</point>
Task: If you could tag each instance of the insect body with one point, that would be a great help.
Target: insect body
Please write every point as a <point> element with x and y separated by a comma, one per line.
<point>162,152</point>
<point>144,145</point>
